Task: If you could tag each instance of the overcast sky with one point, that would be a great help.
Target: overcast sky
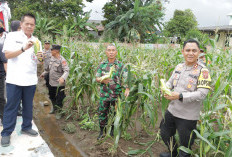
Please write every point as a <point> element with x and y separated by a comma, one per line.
<point>207,12</point>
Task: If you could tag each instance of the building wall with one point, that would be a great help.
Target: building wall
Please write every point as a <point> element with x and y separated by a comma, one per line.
<point>222,38</point>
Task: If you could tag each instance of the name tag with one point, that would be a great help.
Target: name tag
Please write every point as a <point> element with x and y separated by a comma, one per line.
<point>19,42</point>
<point>193,76</point>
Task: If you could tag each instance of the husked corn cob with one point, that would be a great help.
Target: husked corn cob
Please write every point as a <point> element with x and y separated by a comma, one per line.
<point>164,88</point>
<point>109,74</point>
<point>37,48</point>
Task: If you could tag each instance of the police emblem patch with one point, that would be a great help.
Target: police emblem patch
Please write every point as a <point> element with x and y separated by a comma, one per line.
<point>204,79</point>
<point>205,74</point>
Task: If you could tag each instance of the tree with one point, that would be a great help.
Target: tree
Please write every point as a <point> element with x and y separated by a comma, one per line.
<point>118,7</point>
<point>51,15</point>
<point>137,22</point>
<point>58,10</point>
<point>43,26</point>
<point>181,23</point>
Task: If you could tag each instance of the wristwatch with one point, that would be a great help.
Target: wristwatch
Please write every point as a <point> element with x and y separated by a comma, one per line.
<point>181,97</point>
<point>22,49</point>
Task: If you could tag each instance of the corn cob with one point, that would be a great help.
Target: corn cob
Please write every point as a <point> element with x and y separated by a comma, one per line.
<point>164,88</point>
<point>37,48</point>
<point>109,74</point>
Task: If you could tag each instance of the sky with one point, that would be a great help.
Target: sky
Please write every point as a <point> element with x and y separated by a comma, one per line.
<point>207,12</point>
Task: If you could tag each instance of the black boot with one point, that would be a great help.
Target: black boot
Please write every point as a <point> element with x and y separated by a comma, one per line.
<point>183,154</point>
<point>112,131</point>
<point>52,111</point>
<point>168,154</point>
<point>101,133</point>
<point>53,108</point>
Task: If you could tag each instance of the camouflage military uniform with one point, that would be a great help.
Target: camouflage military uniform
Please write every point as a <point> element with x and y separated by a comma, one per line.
<point>182,115</point>
<point>110,92</point>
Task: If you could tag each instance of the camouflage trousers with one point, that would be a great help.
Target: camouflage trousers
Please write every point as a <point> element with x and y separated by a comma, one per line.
<point>104,109</point>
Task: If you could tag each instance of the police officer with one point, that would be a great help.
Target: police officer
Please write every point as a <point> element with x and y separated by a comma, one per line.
<point>47,57</point>
<point>110,88</point>
<point>58,71</point>
<point>190,83</point>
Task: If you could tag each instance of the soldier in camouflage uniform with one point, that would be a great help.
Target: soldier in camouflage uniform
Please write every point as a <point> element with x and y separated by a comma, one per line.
<point>190,84</point>
<point>110,88</point>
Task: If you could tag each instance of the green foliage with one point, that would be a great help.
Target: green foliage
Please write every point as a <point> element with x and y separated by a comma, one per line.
<point>145,69</point>
<point>194,34</point>
<point>70,128</point>
<point>77,28</point>
<point>87,123</point>
<point>181,23</point>
<point>115,8</point>
<point>136,23</point>
<point>58,11</point>
<point>199,36</point>
<point>44,26</point>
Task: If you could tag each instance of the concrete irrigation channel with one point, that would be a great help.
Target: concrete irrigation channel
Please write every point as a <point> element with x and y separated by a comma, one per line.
<point>50,130</point>
<point>51,141</point>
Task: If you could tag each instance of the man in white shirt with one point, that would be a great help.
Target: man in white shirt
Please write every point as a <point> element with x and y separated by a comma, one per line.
<point>21,78</point>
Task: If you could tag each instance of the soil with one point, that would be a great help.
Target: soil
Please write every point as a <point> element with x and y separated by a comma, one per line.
<point>84,142</point>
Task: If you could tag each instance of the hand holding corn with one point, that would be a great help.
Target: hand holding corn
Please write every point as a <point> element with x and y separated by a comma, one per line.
<point>28,45</point>
<point>108,75</point>
<point>173,96</point>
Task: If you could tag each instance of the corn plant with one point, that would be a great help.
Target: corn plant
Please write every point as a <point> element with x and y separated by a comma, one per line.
<point>145,69</point>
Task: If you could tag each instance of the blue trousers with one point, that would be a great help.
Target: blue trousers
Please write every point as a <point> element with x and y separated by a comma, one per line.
<point>14,95</point>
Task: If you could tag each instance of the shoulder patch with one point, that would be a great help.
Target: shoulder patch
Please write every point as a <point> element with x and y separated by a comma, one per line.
<point>179,67</point>
<point>204,79</point>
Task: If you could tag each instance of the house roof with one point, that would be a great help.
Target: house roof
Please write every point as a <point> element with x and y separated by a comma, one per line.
<point>99,28</point>
<point>95,21</point>
<point>214,28</point>
<point>98,25</point>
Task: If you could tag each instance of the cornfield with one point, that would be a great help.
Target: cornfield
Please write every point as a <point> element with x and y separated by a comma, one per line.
<point>145,68</point>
